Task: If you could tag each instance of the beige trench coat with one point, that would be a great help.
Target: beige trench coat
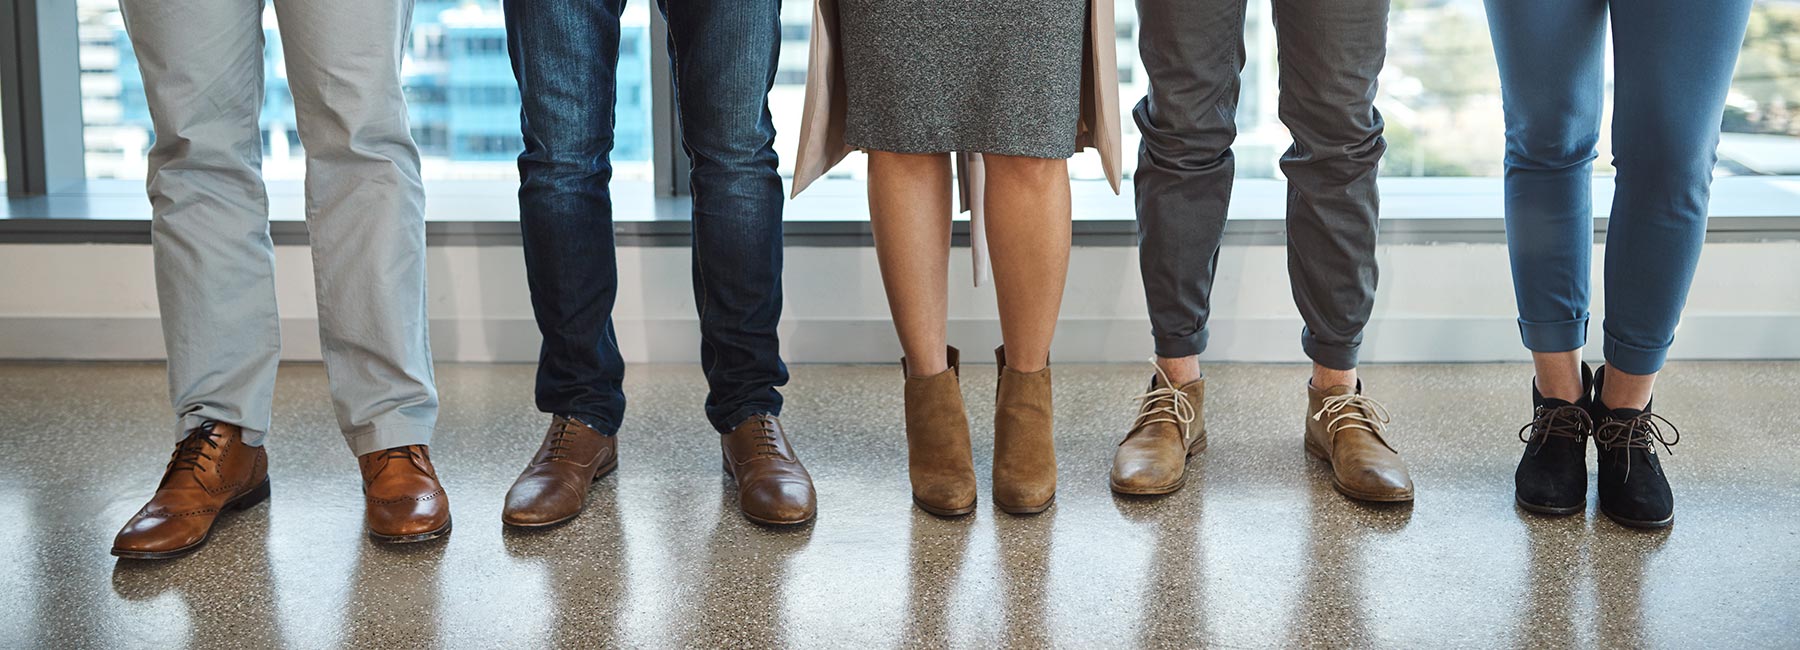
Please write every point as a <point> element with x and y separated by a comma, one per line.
<point>822,122</point>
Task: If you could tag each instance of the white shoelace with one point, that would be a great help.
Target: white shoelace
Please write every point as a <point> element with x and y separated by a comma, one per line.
<point>1354,411</point>
<point>1165,404</point>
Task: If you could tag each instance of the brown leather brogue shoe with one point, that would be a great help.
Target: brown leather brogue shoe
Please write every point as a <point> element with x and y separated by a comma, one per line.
<point>773,488</point>
<point>939,460</point>
<point>1347,430</point>
<point>553,488</point>
<point>402,499</point>
<point>1170,428</point>
<point>212,471</point>
<point>1024,441</point>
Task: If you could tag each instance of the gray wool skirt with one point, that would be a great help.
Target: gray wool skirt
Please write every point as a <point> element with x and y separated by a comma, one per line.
<point>994,76</point>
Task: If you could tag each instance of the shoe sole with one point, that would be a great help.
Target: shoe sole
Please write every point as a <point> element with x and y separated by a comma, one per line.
<point>1026,510</point>
<point>1633,523</point>
<point>1193,450</point>
<point>945,512</point>
<point>1316,452</point>
<point>598,474</point>
<point>1549,510</point>
<point>411,539</point>
<point>726,465</point>
<point>240,503</point>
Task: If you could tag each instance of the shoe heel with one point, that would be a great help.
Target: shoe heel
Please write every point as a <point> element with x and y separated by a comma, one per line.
<point>250,499</point>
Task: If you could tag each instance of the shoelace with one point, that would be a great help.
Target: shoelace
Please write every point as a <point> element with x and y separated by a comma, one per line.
<point>1165,404</point>
<point>1354,411</point>
<point>1639,432</point>
<point>1569,421</point>
<point>399,453</point>
<point>766,445</point>
<point>192,450</point>
<point>560,441</point>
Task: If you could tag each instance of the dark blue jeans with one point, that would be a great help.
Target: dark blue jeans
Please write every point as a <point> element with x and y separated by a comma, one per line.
<point>1672,69</point>
<point>565,56</point>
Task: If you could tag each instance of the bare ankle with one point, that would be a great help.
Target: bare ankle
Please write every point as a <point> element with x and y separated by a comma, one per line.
<point>926,365</point>
<point>1323,377</point>
<point>1626,391</point>
<point>1558,375</point>
<point>1182,370</point>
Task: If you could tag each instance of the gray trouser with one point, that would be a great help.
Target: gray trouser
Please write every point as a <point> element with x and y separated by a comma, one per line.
<point>202,62</point>
<point>1330,53</point>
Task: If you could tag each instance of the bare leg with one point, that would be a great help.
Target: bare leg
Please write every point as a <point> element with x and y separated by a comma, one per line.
<point>1559,374</point>
<point>1323,377</point>
<point>909,211</point>
<point>1028,232</point>
<point>1625,391</point>
<point>1181,371</point>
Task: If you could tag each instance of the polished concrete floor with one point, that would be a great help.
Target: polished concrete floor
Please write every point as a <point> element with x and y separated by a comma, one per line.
<point>1257,551</point>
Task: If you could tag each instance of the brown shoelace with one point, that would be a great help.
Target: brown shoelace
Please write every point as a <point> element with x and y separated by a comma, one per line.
<point>1567,421</point>
<point>560,440</point>
<point>1640,432</point>
<point>399,453</point>
<point>766,445</point>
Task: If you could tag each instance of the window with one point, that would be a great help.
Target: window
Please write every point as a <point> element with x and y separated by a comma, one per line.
<point>1440,93</point>
<point>463,103</point>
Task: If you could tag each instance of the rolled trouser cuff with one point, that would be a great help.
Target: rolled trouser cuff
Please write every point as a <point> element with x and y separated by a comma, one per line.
<point>1178,347</point>
<point>1634,360</point>
<point>1336,356</point>
<point>1561,336</point>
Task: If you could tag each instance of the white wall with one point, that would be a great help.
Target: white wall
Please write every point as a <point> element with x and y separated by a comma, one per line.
<point>1449,302</point>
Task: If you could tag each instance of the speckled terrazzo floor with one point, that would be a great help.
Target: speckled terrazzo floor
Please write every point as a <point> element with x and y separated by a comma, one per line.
<point>1257,551</point>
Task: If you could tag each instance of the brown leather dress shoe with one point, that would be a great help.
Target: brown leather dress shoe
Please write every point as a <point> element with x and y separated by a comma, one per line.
<point>773,488</point>
<point>212,471</point>
<point>553,488</point>
<point>1170,429</point>
<point>939,460</point>
<point>402,499</point>
<point>1024,441</point>
<point>1346,429</point>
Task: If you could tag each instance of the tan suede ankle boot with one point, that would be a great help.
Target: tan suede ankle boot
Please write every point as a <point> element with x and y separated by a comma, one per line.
<point>1024,441</point>
<point>938,458</point>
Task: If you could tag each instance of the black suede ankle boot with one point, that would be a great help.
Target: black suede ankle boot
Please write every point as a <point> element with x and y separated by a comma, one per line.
<point>1633,490</point>
<point>1552,475</point>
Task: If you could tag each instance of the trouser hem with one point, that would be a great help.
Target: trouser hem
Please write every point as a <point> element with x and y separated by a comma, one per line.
<point>603,426</point>
<point>381,437</point>
<point>729,423</point>
<point>1634,360</point>
<point>1331,355</point>
<point>1177,347</point>
<point>191,421</point>
<point>1561,336</point>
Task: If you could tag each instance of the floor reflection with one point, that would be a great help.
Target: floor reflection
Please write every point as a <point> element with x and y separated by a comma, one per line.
<point>224,592</point>
<point>1172,603</point>
<point>580,594</point>
<point>1331,603</point>
<point>936,549</point>
<point>1550,615</point>
<point>1256,551</point>
<point>1619,558</point>
<point>394,606</point>
<point>1024,556</point>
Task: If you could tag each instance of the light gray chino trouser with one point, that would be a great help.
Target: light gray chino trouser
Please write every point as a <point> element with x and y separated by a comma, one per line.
<point>202,62</point>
